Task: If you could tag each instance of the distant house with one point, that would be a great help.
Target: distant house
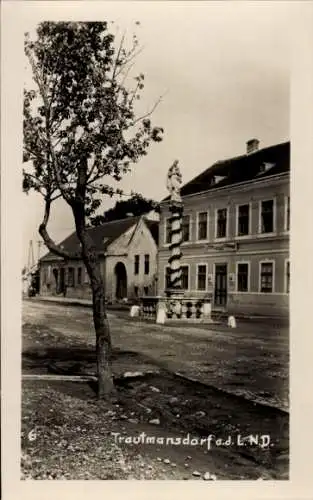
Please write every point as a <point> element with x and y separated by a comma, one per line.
<point>127,250</point>
<point>236,233</point>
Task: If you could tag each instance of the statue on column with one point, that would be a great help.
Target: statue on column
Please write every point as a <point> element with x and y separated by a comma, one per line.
<point>174,180</point>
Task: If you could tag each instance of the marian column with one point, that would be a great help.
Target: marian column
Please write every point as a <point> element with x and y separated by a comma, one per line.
<point>175,292</point>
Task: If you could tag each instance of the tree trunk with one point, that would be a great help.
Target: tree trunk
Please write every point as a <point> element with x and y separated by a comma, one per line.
<point>101,324</point>
<point>103,341</point>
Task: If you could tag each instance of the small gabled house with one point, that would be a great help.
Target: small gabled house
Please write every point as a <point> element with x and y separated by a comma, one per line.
<point>127,250</point>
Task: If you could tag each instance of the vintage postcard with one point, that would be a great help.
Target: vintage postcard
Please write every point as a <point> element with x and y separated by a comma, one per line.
<point>148,271</point>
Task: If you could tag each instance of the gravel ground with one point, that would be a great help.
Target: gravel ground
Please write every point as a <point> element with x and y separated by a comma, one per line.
<point>67,433</point>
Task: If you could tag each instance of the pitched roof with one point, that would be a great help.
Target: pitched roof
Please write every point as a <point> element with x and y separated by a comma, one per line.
<point>153,225</point>
<point>102,236</point>
<point>276,160</point>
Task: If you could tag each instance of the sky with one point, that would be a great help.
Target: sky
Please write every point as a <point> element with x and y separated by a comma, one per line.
<point>223,69</point>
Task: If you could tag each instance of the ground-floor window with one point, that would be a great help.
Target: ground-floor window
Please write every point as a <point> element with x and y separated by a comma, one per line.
<point>287,276</point>
<point>201,276</point>
<point>242,277</point>
<point>79,276</point>
<point>185,277</point>
<point>266,277</point>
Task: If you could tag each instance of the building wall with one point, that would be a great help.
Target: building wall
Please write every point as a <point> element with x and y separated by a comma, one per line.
<point>253,248</point>
<point>124,250</point>
<point>136,241</point>
<point>48,285</point>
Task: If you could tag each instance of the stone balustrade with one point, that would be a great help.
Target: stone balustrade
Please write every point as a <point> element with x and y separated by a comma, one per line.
<point>179,309</point>
<point>148,307</point>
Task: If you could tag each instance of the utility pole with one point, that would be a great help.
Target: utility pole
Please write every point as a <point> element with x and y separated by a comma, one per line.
<point>31,260</point>
<point>39,243</point>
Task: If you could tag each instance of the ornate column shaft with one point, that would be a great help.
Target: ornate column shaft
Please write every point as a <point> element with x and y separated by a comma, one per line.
<point>176,240</point>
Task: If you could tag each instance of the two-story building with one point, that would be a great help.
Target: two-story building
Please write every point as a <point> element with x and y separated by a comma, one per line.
<point>127,251</point>
<point>236,233</point>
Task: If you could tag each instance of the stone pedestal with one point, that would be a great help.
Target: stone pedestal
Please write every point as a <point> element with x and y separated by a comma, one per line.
<point>207,310</point>
<point>174,303</point>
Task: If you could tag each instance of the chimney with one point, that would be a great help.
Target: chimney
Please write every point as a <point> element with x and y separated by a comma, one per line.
<point>252,146</point>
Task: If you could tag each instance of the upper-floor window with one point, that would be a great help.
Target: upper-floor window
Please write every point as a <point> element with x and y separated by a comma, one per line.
<point>201,276</point>
<point>242,277</point>
<point>186,227</point>
<point>71,276</point>
<point>243,220</point>
<point>221,223</point>
<point>136,265</point>
<point>147,263</point>
<point>267,277</point>
<point>167,231</point>
<point>79,275</point>
<point>287,213</point>
<point>267,216</point>
<point>202,226</point>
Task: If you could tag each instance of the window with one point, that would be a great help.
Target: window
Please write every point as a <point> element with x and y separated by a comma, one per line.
<point>201,277</point>
<point>221,223</point>
<point>267,216</point>
<point>167,231</point>
<point>136,267</point>
<point>147,264</point>
<point>243,220</point>
<point>287,213</point>
<point>202,226</point>
<point>185,277</point>
<point>79,276</point>
<point>44,275</point>
<point>186,227</point>
<point>242,277</point>
<point>167,277</point>
<point>146,290</point>
<point>70,277</point>
<point>287,277</point>
<point>266,278</point>
<point>136,290</point>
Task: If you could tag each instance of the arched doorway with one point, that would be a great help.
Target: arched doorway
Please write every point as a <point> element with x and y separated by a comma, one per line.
<point>121,280</point>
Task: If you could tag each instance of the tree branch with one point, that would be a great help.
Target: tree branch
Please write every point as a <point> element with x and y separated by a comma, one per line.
<point>149,112</point>
<point>50,244</point>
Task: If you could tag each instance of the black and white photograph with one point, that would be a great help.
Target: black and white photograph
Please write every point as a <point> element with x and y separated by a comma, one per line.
<point>155,276</point>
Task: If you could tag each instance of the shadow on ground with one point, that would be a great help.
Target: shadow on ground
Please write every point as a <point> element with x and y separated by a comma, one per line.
<point>175,402</point>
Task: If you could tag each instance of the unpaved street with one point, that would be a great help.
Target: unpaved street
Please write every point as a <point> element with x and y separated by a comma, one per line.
<point>251,360</point>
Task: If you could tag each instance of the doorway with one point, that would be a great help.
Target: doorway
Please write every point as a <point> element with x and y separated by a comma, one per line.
<point>121,280</point>
<point>61,284</point>
<point>220,292</point>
